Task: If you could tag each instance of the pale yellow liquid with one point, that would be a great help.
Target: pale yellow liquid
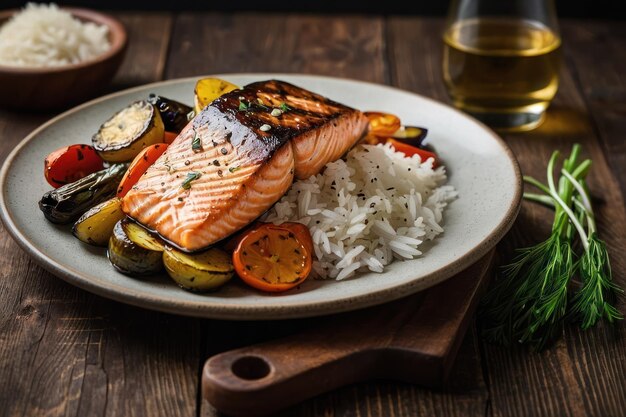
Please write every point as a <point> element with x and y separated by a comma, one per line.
<point>503,71</point>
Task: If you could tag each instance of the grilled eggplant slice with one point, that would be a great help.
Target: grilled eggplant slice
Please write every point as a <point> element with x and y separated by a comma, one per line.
<point>411,135</point>
<point>198,272</point>
<point>67,203</point>
<point>134,251</point>
<point>173,113</point>
<point>95,227</point>
<point>130,130</point>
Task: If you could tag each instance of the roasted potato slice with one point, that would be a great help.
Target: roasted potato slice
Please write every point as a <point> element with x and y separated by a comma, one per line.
<point>130,130</point>
<point>198,272</point>
<point>134,251</point>
<point>95,227</point>
<point>208,89</point>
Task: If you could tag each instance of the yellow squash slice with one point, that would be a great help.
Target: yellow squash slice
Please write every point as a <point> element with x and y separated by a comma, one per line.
<point>208,89</point>
<point>95,227</point>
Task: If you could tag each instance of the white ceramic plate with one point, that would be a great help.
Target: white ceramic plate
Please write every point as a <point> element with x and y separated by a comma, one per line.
<point>480,166</point>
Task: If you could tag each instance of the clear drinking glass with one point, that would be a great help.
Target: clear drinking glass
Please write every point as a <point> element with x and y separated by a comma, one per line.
<point>501,60</point>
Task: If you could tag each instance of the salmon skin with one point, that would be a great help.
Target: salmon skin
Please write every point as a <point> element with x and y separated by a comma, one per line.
<point>237,158</point>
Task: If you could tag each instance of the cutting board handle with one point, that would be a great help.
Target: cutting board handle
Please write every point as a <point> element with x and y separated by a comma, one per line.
<point>413,339</point>
<point>274,375</point>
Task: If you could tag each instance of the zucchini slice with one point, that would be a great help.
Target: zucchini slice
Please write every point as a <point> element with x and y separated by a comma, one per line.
<point>198,272</point>
<point>70,201</point>
<point>134,251</point>
<point>95,227</point>
<point>130,130</point>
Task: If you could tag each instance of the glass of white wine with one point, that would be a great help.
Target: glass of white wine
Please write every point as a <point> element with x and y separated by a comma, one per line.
<point>501,60</point>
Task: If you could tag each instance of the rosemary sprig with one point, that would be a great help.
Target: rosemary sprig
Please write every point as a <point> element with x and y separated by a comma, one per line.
<point>529,302</point>
<point>593,300</point>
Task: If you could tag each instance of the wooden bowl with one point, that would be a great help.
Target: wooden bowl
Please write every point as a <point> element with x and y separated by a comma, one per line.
<point>56,88</point>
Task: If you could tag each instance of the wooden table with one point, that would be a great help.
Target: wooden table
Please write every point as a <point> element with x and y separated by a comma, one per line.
<point>65,352</point>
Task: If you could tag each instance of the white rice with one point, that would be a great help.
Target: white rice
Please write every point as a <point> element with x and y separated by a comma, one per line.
<point>366,210</point>
<point>44,36</point>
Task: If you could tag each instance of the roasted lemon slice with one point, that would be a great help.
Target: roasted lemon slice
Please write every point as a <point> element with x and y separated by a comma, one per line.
<point>130,130</point>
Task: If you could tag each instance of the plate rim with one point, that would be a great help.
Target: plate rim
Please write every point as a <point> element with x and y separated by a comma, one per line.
<point>265,311</point>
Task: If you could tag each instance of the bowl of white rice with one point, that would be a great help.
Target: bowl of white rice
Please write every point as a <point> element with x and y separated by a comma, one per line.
<point>52,57</point>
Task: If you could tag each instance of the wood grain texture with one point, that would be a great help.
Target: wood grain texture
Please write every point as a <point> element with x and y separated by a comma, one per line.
<point>338,46</point>
<point>210,43</point>
<point>585,373</point>
<point>65,352</point>
<point>148,42</point>
<point>411,340</point>
<point>594,52</point>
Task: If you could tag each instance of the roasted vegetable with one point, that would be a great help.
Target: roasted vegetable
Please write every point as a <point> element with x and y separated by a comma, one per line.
<point>134,251</point>
<point>198,272</point>
<point>95,227</point>
<point>273,258</point>
<point>173,113</point>
<point>130,130</point>
<point>139,166</point>
<point>302,234</point>
<point>409,150</point>
<point>71,163</point>
<point>382,124</point>
<point>67,203</point>
<point>208,89</point>
<point>411,135</point>
<point>168,137</point>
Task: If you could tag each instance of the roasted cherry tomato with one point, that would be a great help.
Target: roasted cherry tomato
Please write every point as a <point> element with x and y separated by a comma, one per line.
<point>382,124</point>
<point>409,150</point>
<point>140,164</point>
<point>274,258</point>
<point>168,137</point>
<point>70,164</point>
<point>300,230</point>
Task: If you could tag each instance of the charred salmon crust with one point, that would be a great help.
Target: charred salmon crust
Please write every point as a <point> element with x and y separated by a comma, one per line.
<point>237,158</point>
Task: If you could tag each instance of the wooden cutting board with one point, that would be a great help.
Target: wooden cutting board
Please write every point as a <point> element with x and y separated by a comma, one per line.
<point>414,339</point>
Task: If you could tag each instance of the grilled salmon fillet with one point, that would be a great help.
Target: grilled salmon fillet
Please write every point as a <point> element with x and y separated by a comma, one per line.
<point>237,158</point>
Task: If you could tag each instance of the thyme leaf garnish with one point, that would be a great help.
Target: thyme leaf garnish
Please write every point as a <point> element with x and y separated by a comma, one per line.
<point>196,144</point>
<point>192,176</point>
